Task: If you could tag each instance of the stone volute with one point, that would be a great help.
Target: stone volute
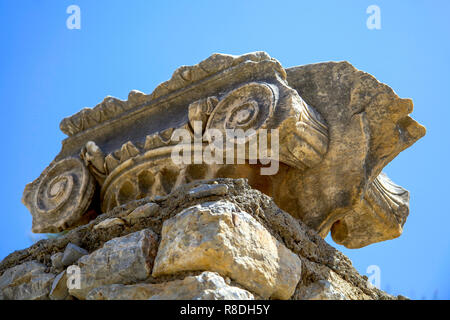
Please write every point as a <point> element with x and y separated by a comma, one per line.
<point>336,128</point>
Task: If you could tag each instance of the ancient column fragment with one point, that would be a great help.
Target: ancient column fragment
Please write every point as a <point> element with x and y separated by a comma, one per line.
<point>329,129</point>
<point>368,126</point>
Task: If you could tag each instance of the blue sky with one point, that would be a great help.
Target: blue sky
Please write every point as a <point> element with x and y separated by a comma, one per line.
<point>49,72</point>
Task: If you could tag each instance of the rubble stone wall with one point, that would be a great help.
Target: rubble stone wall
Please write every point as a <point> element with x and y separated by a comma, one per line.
<point>212,239</point>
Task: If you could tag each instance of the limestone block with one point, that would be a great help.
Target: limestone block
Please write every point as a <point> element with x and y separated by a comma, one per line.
<point>108,223</point>
<point>27,281</point>
<point>57,260</point>
<point>218,236</point>
<point>140,291</point>
<point>205,190</point>
<point>126,259</point>
<point>206,286</point>
<point>144,211</point>
<point>59,290</point>
<point>72,253</point>
<point>321,290</point>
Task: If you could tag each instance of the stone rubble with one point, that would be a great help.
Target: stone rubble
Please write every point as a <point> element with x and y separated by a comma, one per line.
<point>59,290</point>
<point>142,212</point>
<point>27,281</point>
<point>125,259</point>
<point>108,223</point>
<point>206,286</point>
<point>72,254</point>
<point>254,250</point>
<point>321,290</point>
<point>217,236</point>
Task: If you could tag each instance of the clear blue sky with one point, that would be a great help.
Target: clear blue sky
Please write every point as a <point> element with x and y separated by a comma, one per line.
<point>48,72</point>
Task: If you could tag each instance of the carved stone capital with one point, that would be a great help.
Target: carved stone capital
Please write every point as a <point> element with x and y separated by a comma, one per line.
<point>59,198</point>
<point>379,216</point>
<point>336,127</point>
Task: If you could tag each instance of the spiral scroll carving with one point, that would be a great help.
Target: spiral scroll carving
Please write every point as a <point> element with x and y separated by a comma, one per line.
<point>247,107</point>
<point>60,196</point>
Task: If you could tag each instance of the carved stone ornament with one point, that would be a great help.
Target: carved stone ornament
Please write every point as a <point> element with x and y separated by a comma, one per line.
<point>60,197</point>
<point>337,127</point>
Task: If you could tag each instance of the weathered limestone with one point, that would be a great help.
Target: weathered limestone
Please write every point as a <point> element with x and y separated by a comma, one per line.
<point>218,236</point>
<point>319,261</point>
<point>328,129</point>
<point>27,281</point>
<point>121,260</point>
<point>108,223</point>
<point>321,290</point>
<point>142,212</point>
<point>57,260</point>
<point>368,126</point>
<point>338,127</point>
<point>205,190</point>
<point>59,290</point>
<point>379,216</point>
<point>206,286</point>
<point>72,254</point>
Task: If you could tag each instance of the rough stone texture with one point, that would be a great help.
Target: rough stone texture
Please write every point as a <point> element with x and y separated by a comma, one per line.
<point>121,260</point>
<point>218,236</point>
<point>142,212</point>
<point>380,215</point>
<point>56,258</point>
<point>108,223</point>
<point>71,254</point>
<point>205,190</point>
<point>27,281</point>
<point>59,290</point>
<point>320,261</point>
<point>320,290</point>
<point>206,286</point>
